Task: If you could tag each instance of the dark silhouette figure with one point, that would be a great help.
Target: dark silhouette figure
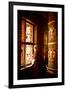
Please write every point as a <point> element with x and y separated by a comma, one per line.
<point>40,63</point>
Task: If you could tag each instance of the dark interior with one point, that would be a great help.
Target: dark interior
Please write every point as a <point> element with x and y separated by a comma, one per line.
<point>38,70</point>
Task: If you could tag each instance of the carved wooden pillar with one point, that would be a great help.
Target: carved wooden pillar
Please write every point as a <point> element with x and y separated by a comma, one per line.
<point>52,43</point>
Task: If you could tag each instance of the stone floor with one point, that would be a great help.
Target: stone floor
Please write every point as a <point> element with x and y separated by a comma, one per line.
<point>34,73</point>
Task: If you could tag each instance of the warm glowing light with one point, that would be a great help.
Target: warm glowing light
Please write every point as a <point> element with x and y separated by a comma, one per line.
<point>27,48</point>
<point>28,55</point>
<point>28,34</point>
<point>33,61</point>
<point>52,45</point>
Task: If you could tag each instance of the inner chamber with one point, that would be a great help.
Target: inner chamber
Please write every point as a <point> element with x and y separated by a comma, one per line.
<point>37,42</point>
